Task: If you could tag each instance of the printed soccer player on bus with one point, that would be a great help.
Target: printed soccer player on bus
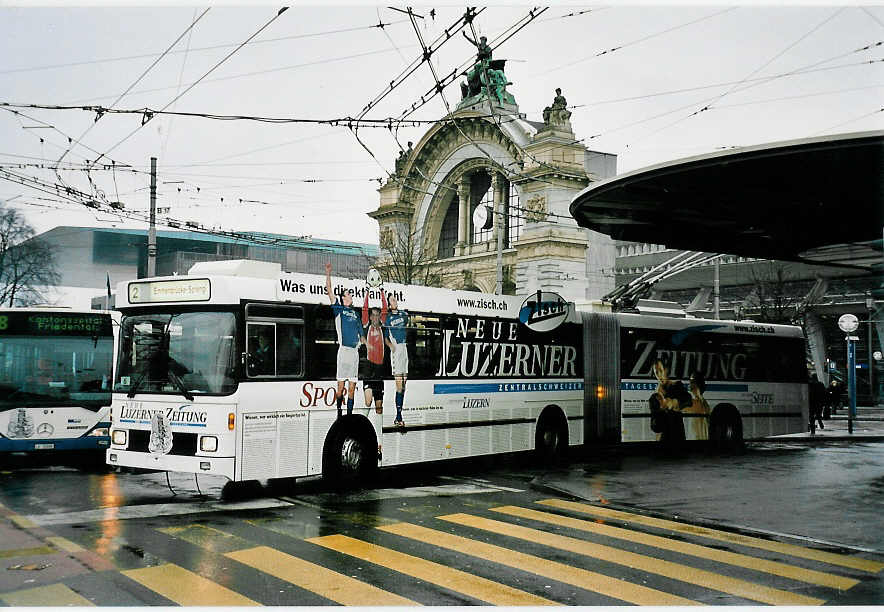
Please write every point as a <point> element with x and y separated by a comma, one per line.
<point>373,338</point>
<point>397,326</point>
<point>349,330</point>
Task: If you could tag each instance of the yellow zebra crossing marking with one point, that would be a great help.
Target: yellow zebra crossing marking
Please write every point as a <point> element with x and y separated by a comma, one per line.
<point>22,522</point>
<point>26,552</point>
<point>320,580</point>
<point>207,537</point>
<point>51,595</point>
<point>676,571</point>
<point>858,563</point>
<point>477,587</point>
<point>186,588</point>
<point>64,544</point>
<point>762,565</point>
<point>592,581</point>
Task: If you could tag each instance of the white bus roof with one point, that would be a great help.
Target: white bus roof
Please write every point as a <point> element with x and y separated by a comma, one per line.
<point>229,282</point>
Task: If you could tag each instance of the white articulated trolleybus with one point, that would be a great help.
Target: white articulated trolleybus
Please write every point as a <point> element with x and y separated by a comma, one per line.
<point>197,391</point>
<point>56,375</point>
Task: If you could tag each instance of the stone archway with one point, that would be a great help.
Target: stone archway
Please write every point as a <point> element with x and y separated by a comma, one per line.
<point>514,167</point>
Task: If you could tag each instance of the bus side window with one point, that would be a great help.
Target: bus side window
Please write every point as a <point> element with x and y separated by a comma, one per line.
<point>323,360</point>
<point>425,345</point>
<point>289,349</point>
<point>261,348</point>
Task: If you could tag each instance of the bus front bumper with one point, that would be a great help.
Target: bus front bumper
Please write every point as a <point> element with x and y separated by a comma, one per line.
<point>220,466</point>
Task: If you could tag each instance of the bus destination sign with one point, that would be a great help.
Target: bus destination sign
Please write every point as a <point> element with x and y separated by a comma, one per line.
<point>54,324</point>
<point>189,290</point>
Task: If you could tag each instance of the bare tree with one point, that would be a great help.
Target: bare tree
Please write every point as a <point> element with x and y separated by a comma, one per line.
<point>404,260</point>
<point>27,264</point>
<point>772,297</point>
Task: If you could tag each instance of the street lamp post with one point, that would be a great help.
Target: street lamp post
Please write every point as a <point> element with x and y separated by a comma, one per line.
<point>848,323</point>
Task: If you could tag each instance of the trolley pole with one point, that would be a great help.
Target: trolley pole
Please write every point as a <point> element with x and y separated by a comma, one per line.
<point>152,229</point>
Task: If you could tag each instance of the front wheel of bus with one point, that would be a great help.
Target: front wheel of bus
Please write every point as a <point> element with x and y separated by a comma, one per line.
<point>349,459</point>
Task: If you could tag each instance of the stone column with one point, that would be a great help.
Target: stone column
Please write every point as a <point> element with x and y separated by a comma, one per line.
<point>463,216</point>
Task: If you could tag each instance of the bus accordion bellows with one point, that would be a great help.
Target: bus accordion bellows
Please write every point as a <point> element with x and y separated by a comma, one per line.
<point>233,370</point>
<point>56,377</point>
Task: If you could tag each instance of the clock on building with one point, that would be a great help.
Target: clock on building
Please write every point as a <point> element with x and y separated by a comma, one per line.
<point>482,217</point>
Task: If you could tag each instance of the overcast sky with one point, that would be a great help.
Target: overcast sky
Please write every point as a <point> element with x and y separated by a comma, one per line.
<point>637,78</point>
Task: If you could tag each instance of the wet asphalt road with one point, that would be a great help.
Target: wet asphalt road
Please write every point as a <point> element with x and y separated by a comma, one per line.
<point>497,531</point>
<point>832,491</point>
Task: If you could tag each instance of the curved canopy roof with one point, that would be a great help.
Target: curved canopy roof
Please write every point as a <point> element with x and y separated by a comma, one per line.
<point>777,201</point>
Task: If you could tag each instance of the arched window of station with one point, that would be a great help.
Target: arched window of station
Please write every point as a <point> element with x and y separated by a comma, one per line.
<point>448,235</point>
<point>481,193</point>
<point>481,184</point>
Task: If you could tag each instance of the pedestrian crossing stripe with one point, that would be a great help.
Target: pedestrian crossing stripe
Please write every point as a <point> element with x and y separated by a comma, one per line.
<point>207,537</point>
<point>485,590</point>
<point>50,595</point>
<point>64,544</point>
<point>585,579</point>
<point>332,585</point>
<point>668,569</point>
<point>186,588</point>
<point>26,552</point>
<point>858,563</point>
<point>704,552</point>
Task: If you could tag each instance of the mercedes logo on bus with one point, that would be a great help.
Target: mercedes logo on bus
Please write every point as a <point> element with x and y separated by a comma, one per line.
<point>544,311</point>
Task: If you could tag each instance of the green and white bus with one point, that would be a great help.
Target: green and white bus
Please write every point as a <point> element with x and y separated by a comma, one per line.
<point>56,377</point>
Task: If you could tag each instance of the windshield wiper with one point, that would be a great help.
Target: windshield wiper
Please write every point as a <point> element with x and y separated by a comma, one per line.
<point>162,346</point>
<point>134,386</point>
<point>179,383</point>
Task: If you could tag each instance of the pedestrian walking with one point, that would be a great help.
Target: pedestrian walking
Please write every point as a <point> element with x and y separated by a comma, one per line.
<point>816,397</point>
<point>833,398</point>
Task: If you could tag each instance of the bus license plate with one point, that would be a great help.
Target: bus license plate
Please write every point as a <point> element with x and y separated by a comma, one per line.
<point>44,446</point>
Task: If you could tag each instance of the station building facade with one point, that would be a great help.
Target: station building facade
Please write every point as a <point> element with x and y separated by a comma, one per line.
<point>485,179</point>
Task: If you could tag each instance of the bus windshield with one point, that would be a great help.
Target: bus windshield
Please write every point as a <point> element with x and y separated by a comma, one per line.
<point>184,353</point>
<point>48,370</point>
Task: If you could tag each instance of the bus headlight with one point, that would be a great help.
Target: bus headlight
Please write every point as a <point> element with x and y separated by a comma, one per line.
<point>120,437</point>
<point>99,431</point>
<point>208,444</point>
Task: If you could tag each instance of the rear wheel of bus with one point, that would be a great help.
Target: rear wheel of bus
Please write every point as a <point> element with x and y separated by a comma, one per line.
<point>726,429</point>
<point>551,437</point>
<point>350,456</point>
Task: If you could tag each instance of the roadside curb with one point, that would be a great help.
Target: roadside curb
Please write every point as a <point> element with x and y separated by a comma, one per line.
<point>807,439</point>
